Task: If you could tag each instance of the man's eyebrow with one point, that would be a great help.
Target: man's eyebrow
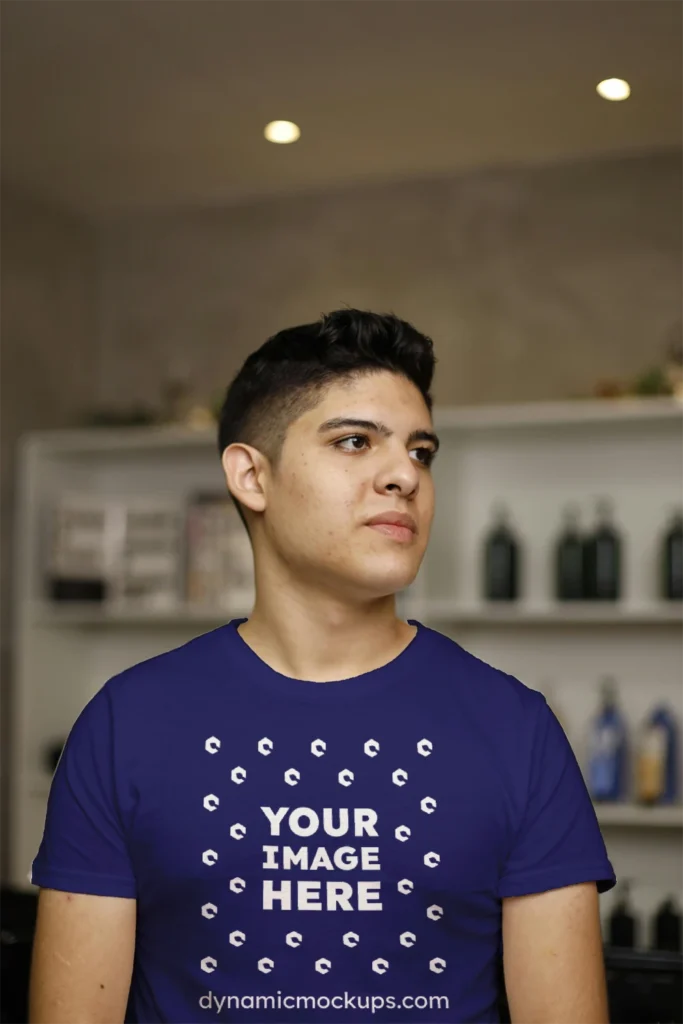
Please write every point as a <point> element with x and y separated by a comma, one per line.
<point>378,428</point>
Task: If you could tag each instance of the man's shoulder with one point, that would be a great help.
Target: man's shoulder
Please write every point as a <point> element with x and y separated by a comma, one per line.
<point>479,679</point>
<point>187,663</point>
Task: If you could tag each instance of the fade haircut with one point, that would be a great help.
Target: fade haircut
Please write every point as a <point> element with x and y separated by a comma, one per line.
<point>288,375</point>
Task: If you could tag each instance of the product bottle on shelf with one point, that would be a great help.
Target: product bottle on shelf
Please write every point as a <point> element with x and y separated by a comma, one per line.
<point>501,559</point>
<point>672,560</point>
<point>656,759</point>
<point>602,557</point>
<point>666,927</point>
<point>569,569</point>
<point>621,927</point>
<point>607,748</point>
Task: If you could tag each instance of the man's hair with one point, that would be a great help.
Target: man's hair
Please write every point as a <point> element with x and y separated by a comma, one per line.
<point>288,375</point>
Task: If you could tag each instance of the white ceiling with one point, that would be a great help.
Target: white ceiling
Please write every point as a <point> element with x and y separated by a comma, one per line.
<point>112,105</point>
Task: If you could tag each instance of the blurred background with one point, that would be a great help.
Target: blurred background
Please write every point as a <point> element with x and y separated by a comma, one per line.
<point>180,181</point>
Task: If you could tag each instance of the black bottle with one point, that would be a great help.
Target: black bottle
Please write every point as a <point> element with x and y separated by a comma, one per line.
<point>602,557</point>
<point>501,559</point>
<point>672,560</point>
<point>666,927</point>
<point>569,559</point>
<point>621,923</point>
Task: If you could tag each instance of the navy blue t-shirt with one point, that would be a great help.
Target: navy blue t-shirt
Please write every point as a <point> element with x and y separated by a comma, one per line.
<point>317,852</point>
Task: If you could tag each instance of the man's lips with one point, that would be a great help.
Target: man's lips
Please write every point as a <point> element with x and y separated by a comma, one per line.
<point>400,526</point>
<point>402,533</point>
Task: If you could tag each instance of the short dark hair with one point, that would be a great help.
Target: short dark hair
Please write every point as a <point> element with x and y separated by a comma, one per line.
<point>287,375</point>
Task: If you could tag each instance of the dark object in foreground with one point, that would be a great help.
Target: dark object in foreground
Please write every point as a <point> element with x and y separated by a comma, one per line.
<point>645,986</point>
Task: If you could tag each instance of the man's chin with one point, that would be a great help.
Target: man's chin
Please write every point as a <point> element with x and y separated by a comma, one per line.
<point>383,580</point>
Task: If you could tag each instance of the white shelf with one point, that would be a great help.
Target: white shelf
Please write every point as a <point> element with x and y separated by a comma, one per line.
<point>95,440</point>
<point>572,614</point>
<point>77,614</point>
<point>119,440</point>
<point>633,816</point>
<point>549,414</point>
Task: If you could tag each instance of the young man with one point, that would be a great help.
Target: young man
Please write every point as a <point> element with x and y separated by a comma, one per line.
<point>321,812</point>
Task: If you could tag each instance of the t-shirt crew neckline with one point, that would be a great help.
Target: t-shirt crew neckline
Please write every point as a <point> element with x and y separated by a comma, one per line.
<point>367,684</point>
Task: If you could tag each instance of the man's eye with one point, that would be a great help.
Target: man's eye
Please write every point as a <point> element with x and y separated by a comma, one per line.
<point>353,437</point>
<point>426,455</point>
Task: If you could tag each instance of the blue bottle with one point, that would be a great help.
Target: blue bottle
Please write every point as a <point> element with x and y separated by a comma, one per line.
<point>607,748</point>
<point>657,758</point>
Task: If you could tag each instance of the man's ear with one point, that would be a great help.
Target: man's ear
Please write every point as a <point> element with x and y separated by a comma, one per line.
<point>245,471</point>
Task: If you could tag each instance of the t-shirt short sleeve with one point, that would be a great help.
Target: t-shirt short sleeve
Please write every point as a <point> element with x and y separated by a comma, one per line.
<point>83,848</point>
<point>558,842</point>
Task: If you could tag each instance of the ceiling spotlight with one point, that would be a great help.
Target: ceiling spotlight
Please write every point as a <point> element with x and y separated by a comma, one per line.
<point>614,89</point>
<point>282,132</point>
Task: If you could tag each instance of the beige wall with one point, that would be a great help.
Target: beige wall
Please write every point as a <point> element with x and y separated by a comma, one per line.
<point>48,360</point>
<point>532,282</point>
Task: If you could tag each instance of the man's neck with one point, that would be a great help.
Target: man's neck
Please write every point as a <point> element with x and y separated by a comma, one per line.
<point>322,640</point>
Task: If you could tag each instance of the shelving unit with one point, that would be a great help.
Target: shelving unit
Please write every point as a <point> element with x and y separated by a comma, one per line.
<point>82,615</point>
<point>631,816</point>
<point>535,457</point>
<point>574,614</point>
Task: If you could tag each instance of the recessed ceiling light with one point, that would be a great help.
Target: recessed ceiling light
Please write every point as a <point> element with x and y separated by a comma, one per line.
<point>282,131</point>
<point>614,89</point>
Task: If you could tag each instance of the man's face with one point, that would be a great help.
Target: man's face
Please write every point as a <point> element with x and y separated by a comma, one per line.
<point>332,478</point>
